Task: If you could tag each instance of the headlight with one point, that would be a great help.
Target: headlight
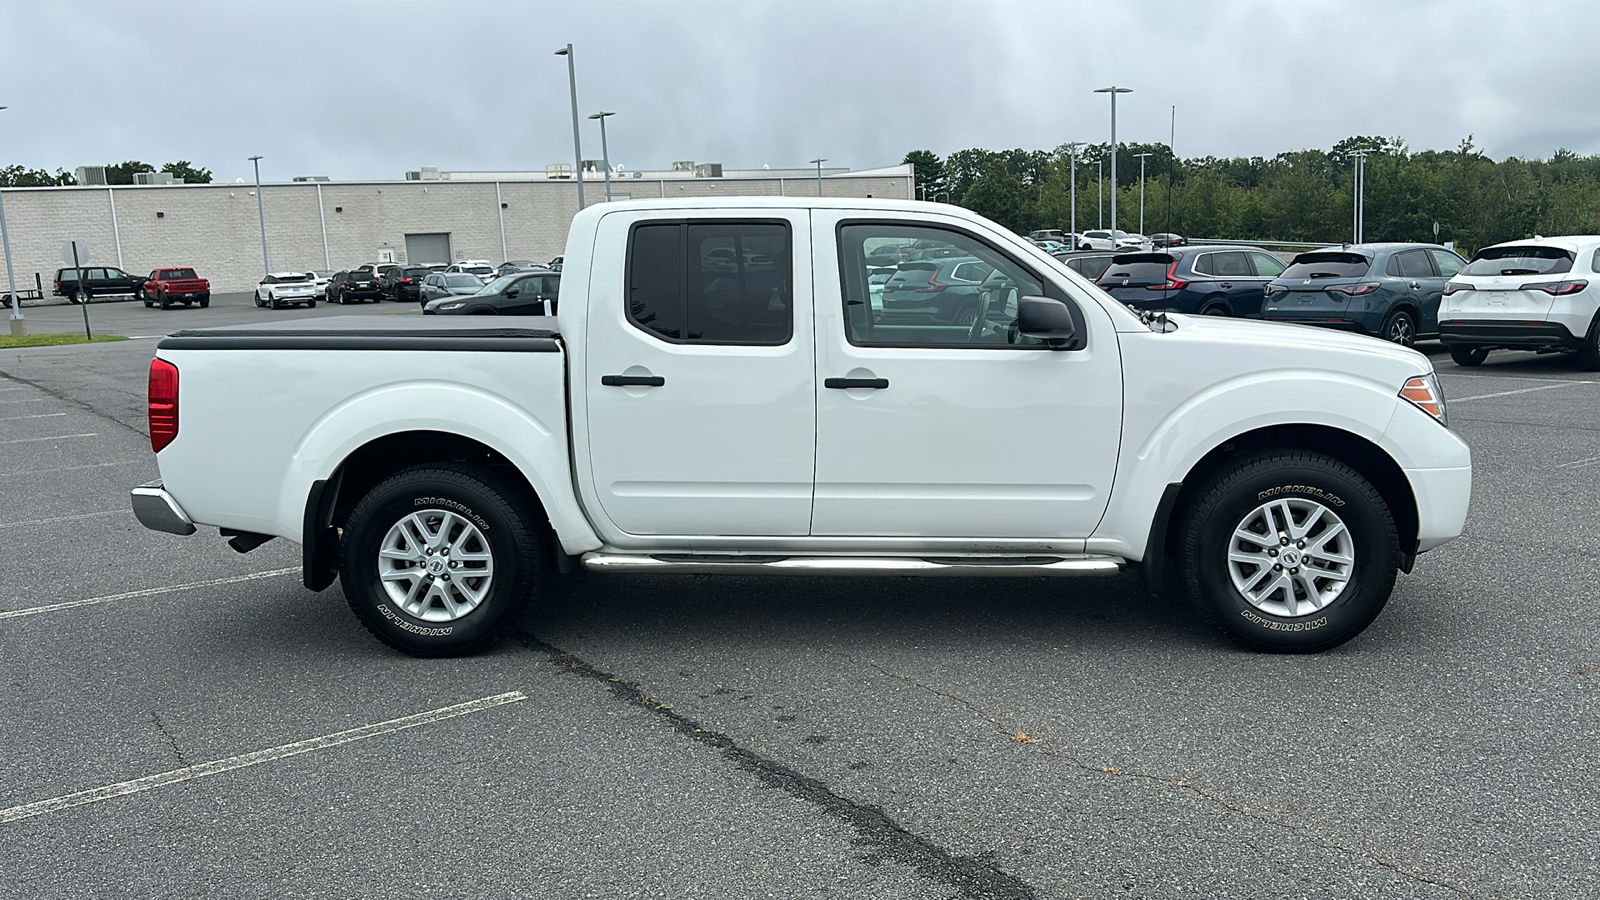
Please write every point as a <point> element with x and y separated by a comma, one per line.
<point>456,305</point>
<point>1423,392</point>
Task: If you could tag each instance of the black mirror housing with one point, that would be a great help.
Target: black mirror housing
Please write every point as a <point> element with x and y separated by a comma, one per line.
<point>1047,320</point>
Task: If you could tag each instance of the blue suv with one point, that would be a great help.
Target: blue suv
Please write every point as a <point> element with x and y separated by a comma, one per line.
<point>1386,290</point>
<point>1210,281</point>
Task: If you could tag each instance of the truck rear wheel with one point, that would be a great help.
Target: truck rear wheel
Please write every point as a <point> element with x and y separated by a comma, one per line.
<point>439,560</point>
<point>1289,552</point>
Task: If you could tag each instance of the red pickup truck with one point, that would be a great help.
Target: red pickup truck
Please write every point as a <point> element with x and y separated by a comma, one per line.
<point>169,286</point>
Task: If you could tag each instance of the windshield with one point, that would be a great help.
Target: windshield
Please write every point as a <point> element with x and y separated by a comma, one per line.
<point>177,273</point>
<point>462,280</point>
<point>500,284</point>
<point>291,279</point>
<point>1520,261</point>
<point>1327,265</point>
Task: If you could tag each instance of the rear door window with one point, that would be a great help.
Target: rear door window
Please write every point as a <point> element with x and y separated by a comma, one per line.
<point>1413,264</point>
<point>712,282</point>
<point>1224,264</point>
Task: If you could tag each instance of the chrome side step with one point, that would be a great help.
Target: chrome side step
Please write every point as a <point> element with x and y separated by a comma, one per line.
<point>767,564</point>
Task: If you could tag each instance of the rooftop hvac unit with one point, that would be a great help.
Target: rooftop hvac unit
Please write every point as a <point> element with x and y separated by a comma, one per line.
<point>155,178</point>
<point>708,170</point>
<point>325,178</point>
<point>90,174</point>
<point>595,166</point>
<point>683,165</point>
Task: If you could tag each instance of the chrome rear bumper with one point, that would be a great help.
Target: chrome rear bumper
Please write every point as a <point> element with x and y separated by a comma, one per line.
<point>157,511</point>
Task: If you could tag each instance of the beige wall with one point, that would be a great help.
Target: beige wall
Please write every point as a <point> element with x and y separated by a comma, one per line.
<point>214,227</point>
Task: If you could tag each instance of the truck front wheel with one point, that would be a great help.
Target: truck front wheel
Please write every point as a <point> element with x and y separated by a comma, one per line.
<point>1289,552</point>
<point>439,560</point>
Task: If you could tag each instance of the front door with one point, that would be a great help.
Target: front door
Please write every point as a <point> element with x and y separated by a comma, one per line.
<point>701,411</point>
<point>936,429</point>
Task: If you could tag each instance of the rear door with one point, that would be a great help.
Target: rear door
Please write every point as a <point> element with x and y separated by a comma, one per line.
<point>700,406</point>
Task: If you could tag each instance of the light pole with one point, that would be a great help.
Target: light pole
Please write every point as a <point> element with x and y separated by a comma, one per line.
<point>1072,191</point>
<point>17,327</point>
<point>818,163</point>
<point>577,147</point>
<point>1113,91</point>
<point>266,267</point>
<point>1100,163</point>
<point>1142,157</point>
<point>1359,192</point>
<point>605,155</point>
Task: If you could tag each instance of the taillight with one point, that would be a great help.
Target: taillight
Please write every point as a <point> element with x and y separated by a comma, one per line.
<point>934,286</point>
<point>1557,288</point>
<point>1355,290</point>
<point>163,403</point>
<point>1173,283</point>
<point>1456,287</point>
<point>405,281</point>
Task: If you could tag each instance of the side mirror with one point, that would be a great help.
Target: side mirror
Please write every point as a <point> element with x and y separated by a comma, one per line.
<point>512,293</point>
<point>1047,320</point>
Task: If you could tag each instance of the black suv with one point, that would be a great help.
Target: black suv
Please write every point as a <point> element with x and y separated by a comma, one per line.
<point>1208,280</point>
<point>356,285</point>
<point>403,282</point>
<point>98,281</point>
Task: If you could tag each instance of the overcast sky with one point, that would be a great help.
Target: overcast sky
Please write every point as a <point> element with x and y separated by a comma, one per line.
<point>368,90</point>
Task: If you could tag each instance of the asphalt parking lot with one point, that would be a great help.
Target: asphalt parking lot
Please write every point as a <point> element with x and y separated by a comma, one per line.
<point>186,721</point>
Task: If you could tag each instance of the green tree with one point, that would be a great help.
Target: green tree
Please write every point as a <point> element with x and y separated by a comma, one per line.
<point>122,173</point>
<point>17,176</point>
<point>189,174</point>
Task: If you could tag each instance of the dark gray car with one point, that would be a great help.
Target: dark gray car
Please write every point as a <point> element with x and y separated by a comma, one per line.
<point>448,284</point>
<point>517,294</point>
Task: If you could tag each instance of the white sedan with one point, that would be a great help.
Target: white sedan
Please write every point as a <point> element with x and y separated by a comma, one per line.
<point>281,289</point>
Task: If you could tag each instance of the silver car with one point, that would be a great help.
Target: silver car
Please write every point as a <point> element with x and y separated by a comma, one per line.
<point>449,284</point>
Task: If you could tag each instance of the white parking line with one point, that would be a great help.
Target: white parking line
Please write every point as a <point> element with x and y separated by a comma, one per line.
<point>6,389</point>
<point>55,438</point>
<point>109,512</point>
<point>147,592</point>
<point>218,766</point>
<point>35,416</point>
<point>126,462</point>
<point>1581,463</point>
<point>1542,387</point>
<point>29,400</point>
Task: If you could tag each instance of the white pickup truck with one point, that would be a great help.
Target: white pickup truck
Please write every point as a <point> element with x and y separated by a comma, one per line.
<point>723,391</point>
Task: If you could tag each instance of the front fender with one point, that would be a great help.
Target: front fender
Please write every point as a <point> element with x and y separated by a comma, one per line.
<point>1162,442</point>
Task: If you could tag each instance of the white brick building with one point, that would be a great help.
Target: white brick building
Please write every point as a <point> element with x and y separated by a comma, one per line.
<point>214,227</point>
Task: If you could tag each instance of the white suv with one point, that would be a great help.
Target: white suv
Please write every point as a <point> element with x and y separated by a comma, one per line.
<point>1100,239</point>
<point>1541,294</point>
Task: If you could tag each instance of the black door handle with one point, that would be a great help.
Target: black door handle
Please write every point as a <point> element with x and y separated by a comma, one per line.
<point>847,383</point>
<point>632,380</point>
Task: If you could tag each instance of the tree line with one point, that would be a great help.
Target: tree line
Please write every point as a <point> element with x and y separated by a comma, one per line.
<point>1305,195</point>
<point>119,173</point>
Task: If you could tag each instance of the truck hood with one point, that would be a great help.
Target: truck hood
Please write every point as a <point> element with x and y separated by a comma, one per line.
<point>1297,346</point>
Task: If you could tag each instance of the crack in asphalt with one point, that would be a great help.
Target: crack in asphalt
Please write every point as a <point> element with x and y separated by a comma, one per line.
<point>977,878</point>
<point>1212,796</point>
<point>178,751</point>
<point>74,401</point>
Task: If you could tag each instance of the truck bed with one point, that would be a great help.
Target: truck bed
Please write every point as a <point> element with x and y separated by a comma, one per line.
<point>533,334</point>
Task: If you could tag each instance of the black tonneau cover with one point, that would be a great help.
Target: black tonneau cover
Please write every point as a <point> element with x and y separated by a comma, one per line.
<point>529,334</point>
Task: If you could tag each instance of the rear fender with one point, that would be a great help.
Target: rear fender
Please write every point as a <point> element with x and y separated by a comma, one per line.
<point>536,446</point>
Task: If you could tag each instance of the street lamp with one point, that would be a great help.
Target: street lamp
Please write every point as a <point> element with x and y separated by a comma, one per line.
<point>577,147</point>
<point>1100,165</point>
<point>818,163</point>
<point>1113,91</point>
<point>266,267</point>
<point>1142,157</point>
<point>1072,151</point>
<point>605,155</point>
<point>1359,189</point>
<point>17,326</point>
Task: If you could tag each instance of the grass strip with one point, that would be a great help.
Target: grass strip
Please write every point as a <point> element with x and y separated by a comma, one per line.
<point>8,342</point>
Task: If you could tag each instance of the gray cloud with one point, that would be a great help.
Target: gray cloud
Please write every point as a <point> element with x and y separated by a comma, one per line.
<point>367,89</point>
